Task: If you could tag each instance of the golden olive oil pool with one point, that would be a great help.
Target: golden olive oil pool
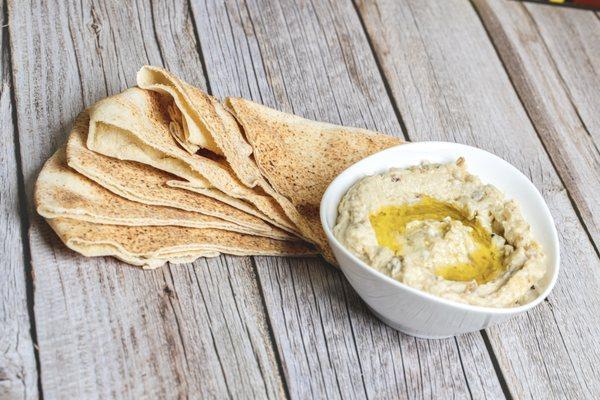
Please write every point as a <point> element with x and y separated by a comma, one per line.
<point>485,262</point>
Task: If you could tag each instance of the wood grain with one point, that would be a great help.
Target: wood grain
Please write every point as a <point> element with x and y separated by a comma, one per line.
<point>449,84</point>
<point>571,37</point>
<point>577,61</point>
<point>18,371</point>
<point>539,80</point>
<point>104,329</point>
<point>275,327</point>
<point>312,58</point>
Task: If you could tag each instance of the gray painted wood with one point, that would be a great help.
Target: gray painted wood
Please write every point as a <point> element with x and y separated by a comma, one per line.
<point>18,371</point>
<point>539,81</point>
<point>577,62</point>
<point>312,58</point>
<point>449,84</point>
<point>576,59</point>
<point>104,329</point>
<point>220,327</point>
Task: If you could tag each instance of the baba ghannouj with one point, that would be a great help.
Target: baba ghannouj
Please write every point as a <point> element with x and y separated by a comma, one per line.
<point>439,229</point>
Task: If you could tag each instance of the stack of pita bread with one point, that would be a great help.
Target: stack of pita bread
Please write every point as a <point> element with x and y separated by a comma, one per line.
<point>164,172</point>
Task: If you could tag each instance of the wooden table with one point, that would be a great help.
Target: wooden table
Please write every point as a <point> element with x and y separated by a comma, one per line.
<point>520,80</point>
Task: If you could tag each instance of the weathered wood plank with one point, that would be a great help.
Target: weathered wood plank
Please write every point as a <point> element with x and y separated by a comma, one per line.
<point>546,95</point>
<point>571,36</point>
<point>18,370</point>
<point>576,58</point>
<point>450,85</point>
<point>106,330</point>
<point>312,58</point>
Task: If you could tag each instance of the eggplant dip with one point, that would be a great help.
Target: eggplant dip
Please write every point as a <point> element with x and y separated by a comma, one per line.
<point>439,229</point>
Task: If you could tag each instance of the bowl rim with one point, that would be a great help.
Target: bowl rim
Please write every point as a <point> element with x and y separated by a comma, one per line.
<point>332,187</point>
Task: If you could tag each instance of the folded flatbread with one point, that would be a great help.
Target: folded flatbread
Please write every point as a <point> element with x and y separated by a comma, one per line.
<point>192,127</point>
<point>289,158</point>
<point>299,158</point>
<point>134,125</point>
<point>152,246</point>
<point>62,192</point>
<point>166,172</point>
<point>143,184</point>
<point>198,118</point>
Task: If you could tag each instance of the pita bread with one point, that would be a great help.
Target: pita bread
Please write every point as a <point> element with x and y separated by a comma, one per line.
<point>314,146</point>
<point>143,184</point>
<point>62,192</point>
<point>299,158</point>
<point>151,247</point>
<point>197,118</point>
<point>132,126</point>
<point>187,125</point>
<point>195,109</point>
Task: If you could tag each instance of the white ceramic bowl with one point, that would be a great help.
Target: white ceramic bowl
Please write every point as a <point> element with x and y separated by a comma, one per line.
<point>410,310</point>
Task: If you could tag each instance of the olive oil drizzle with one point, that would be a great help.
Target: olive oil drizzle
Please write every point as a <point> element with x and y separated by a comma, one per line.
<point>485,262</point>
